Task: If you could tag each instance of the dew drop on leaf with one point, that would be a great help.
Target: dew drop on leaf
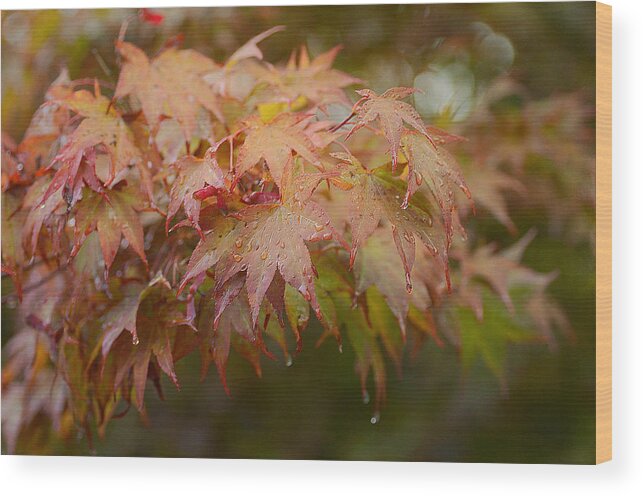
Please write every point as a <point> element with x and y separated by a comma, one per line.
<point>418,178</point>
<point>409,285</point>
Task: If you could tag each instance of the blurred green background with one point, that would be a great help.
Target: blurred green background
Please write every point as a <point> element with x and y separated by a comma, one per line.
<point>435,410</point>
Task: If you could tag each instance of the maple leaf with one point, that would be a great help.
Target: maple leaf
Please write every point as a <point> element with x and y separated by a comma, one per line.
<point>151,17</point>
<point>12,254</point>
<point>438,170</point>
<point>122,316</point>
<point>111,214</point>
<point>389,277</point>
<point>391,114</point>
<point>193,174</point>
<point>265,239</point>
<point>45,393</point>
<point>489,339</point>
<point>155,316</point>
<point>232,321</point>
<point>231,80</point>
<point>374,196</point>
<point>47,125</point>
<point>314,81</point>
<point>275,142</point>
<point>170,85</point>
<point>51,212</point>
<point>490,186</point>
<point>101,127</point>
<point>503,272</point>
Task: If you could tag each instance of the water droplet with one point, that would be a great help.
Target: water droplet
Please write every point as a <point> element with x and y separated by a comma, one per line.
<point>409,285</point>
<point>288,361</point>
<point>238,243</point>
<point>264,255</point>
<point>375,418</point>
<point>327,236</point>
<point>237,257</point>
<point>20,167</point>
<point>42,206</point>
<point>71,222</point>
<point>418,178</point>
<point>319,227</point>
<point>135,340</point>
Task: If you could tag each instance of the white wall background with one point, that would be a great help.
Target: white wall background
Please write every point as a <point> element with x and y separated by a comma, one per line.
<point>624,475</point>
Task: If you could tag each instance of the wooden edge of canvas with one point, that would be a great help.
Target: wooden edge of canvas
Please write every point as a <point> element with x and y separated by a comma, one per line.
<point>603,232</point>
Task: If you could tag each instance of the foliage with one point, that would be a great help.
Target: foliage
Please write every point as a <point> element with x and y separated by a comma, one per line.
<point>208,208</point>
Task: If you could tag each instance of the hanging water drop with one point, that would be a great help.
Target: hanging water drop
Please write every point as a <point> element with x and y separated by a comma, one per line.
<point>135,340</point>
<point>375,418</point>
<point>264,255</point>
<point>237,257</point>
<point>238,243</point>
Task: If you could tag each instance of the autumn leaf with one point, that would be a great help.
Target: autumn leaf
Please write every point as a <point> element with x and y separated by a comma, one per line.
<point>391,114</point>
<point>491,187</point>
<point>52,213</point>
<point>274,142</point>
<point>12,254</point>
<point>193,174</point>
<point>502,271</point>
<point>436,168</point>
<point>122,316</point>
<point>170,85</point>
<point>157,318</point>
<point>266,239</point>
<point>312,81</point>
<point>389,278</point>
<point>101,129</point>
<point>111,214</point>
<point>42,138</point>
<point>488,340</point>
<point>375,196</point>
<point>225,79</point>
